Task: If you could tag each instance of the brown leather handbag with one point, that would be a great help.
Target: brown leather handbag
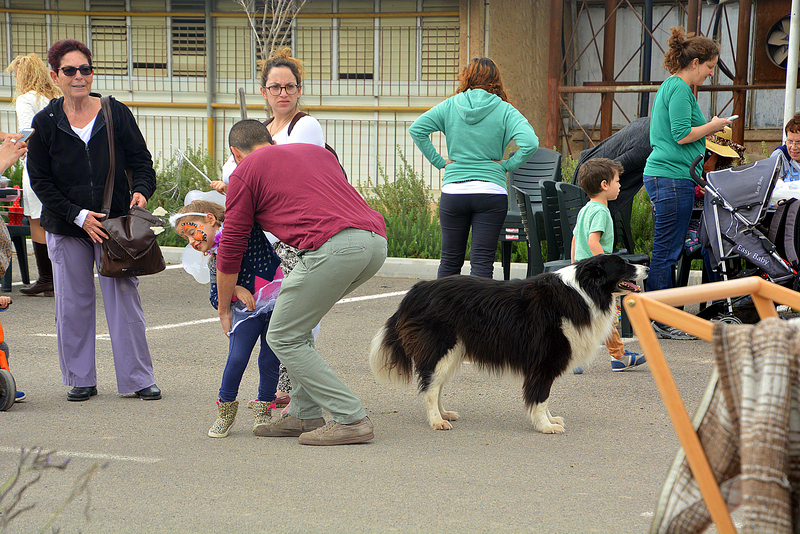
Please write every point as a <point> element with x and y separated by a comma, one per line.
<point>131,249</point>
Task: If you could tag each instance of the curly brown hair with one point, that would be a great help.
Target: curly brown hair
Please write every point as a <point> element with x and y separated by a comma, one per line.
<point>282,57</point>
<point>482,73</point>
<point>685,48</point>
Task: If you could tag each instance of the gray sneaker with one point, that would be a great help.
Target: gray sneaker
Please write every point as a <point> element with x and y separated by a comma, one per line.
<point>334,433</point>
<point>670,332</point>
<point>288,427</point>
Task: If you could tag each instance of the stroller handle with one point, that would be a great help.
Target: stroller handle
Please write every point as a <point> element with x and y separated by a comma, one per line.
<point>698,179</point>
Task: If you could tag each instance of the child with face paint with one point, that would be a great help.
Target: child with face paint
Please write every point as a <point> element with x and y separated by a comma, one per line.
<point>258,284</point>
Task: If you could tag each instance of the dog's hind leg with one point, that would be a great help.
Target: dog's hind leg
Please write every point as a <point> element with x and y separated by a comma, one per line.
<point>543,420</point>
<point>446,415</point>
<point>438,417</point>
<point>432,403</point>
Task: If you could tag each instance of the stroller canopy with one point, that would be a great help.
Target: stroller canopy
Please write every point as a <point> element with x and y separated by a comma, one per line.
<point>736,200</point>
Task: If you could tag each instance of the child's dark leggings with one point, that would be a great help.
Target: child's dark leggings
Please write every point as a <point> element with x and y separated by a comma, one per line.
<point>242,341</point>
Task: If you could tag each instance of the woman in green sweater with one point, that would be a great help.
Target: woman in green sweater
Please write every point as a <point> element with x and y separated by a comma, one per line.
<point>678,130</point>
<point>478,123</point>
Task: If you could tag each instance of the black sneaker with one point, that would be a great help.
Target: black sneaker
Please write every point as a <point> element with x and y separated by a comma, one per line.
<point>670,332</point>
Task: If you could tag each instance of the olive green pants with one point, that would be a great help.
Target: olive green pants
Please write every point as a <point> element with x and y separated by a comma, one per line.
<point>320,279</point>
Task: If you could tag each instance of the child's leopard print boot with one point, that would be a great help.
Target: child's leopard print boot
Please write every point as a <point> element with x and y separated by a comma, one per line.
<point>263,413</point>
<point>227,415</point>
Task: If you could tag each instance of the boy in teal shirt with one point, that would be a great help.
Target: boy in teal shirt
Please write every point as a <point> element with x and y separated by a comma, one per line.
<point>594,234</point>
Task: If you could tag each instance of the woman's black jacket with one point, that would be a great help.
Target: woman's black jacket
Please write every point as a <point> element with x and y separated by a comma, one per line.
<point>67,175</point>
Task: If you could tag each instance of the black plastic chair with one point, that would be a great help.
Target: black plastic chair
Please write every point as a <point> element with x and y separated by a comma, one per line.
<point>544,164</point>
<point>536,265</point>
<point>512,231</point>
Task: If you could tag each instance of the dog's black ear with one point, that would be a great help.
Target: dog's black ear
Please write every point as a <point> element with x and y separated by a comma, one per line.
<point>596,266</point>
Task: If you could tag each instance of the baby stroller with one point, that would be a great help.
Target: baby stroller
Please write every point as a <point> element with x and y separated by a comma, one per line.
<point>8,388</point>
<point>735,204</point>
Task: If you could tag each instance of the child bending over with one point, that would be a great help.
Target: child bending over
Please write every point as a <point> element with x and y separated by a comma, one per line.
<point>594,234</point>
<point>259,282</point>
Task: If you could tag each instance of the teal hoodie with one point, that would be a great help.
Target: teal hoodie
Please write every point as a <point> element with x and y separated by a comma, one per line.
<point>478,126</point>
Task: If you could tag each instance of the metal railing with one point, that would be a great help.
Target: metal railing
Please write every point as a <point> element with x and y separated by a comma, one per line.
<point>365,83</point>
<point>160,60</point>
<point>368,149</point>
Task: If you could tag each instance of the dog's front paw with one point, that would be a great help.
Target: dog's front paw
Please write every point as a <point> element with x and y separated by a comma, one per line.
<point>555,420</point>
<point>544,422</point>
<point>441,424</point>
<point>450,416</point>
<point>552,429</point>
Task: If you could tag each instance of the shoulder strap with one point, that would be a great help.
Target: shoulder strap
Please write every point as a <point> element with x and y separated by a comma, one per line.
<point>299,115</point>
<point>108,192</point>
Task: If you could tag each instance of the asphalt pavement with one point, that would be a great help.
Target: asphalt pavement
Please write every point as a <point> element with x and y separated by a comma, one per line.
<point>491,473</point>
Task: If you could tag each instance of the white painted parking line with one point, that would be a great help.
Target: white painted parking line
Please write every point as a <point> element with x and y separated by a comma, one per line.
<point>370,297</point>
<point>93,456</point>
<point>106,337</point>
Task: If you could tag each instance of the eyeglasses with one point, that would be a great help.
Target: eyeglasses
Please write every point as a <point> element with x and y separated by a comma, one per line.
<point>290,88</point>
<point>792,143</point>
<point>85,70</point>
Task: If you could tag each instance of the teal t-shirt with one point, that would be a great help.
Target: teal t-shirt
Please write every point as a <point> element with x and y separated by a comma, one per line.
<point>675,113</point>
<point>593,217</point>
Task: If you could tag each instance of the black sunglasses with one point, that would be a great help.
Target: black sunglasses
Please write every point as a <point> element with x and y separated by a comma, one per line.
<point>85,70</point>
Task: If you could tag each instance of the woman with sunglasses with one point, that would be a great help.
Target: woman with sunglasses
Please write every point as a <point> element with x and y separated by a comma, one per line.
<point>68,162</point>
<point>34,90</point>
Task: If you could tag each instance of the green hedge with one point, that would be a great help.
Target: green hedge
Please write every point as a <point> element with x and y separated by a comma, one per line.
<point>410,212</point>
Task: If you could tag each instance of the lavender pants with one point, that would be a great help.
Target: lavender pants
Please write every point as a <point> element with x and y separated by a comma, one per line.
<point>73,277</point>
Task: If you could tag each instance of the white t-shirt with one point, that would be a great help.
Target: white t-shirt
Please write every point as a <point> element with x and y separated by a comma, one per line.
<point>306,130</point>
<point>85,134</point>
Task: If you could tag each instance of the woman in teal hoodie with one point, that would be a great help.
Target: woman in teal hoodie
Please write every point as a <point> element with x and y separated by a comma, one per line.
<point>478,123</point>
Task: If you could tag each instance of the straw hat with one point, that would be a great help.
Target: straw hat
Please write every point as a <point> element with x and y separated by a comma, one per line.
<point>720,143</point>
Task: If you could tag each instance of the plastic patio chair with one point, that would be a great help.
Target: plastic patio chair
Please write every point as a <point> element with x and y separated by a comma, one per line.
<point>544,164</point>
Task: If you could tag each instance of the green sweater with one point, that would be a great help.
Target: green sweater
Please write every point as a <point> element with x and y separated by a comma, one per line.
<point>675,113</point>
<point>477,126</point>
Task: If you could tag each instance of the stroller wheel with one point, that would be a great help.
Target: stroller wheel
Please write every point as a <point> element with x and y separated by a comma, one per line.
<point>8,390</point>
<point>729,319</point>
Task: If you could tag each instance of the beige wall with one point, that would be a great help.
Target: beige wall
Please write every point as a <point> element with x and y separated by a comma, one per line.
<point>518,42</point>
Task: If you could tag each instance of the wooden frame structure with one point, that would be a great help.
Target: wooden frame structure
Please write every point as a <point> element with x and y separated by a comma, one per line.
<point>659,306</point>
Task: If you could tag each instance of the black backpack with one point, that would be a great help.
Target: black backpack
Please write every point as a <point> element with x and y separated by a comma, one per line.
<point>299,115</point>
<point>784,230</point>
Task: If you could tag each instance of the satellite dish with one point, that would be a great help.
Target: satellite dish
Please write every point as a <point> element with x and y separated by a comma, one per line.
<point>778,42</point>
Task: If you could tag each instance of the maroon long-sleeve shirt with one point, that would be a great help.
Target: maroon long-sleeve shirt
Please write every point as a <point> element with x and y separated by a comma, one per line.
<point>296,191</point>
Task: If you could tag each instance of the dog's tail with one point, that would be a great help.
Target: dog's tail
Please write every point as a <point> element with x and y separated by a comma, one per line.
<point>388,360</point>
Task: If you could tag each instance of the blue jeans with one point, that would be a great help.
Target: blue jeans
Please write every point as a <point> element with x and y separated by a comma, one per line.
<point>673,201</point>
<point>241,344</point>
<point>457,213</point>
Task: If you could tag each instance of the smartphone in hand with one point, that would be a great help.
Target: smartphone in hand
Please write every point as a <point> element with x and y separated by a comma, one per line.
<point>26,133</point>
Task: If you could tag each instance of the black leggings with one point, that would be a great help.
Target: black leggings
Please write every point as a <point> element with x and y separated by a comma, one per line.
<point>485,213</point>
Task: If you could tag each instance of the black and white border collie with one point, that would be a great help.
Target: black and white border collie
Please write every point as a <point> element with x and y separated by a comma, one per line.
<point>538,328</point>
